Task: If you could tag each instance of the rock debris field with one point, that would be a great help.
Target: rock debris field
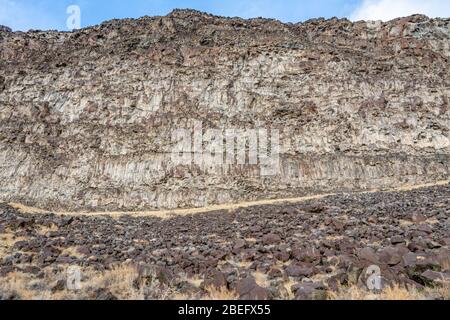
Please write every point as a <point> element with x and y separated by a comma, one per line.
<point>307,250</point>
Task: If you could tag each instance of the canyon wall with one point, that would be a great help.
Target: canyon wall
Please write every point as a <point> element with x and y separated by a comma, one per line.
<point>87,117</point>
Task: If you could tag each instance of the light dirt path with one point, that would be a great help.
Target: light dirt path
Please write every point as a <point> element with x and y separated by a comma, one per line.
<point>165,214</point>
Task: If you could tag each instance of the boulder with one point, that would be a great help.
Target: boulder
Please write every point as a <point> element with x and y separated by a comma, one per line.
<point>248,289</point>
<point>368,254</point>
<point>271,238</point>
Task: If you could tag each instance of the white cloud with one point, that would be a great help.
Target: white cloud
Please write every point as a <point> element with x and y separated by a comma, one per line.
<point>390,9</point>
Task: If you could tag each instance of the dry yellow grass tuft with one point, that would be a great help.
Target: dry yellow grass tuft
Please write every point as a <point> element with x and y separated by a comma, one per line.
<point>119,281</point>
<point>72,252</point>
<point>286,291</point>
<point>446,264</point>
<point>196,281</point>
<point>442,291</point>
<point>43,230</point>
<point>400,293</point>
<point>261,279</point>
<point>420,186</point>
<point>27,209</point>
<point>334,238</point>
<point>16,283</point>
<point>240,264</point>
<point>394,292</point>
<point>176,296</point>
<point>7,241</point>
<point>405,223</point>
<point>122,282</point>
<point>222,293</point>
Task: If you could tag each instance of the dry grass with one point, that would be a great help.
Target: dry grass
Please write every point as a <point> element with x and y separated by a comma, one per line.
<point>176,296</point>
<point>261,279</point>
<point>119,281</point>
<point>395,292</point>
<point>7,241</point>
<point>17,283</point>
<point>401,293</point>
<point>72,252</point>
<point>43,230</point>
<point>239,264</point>
<point>167,214</point>
<point>446,264</point>
<point>196,281</point>
<point>122,282</point>
<point>405,223</point>
<point>334,238</point>
<point>27,209</point>
<point>286,291</point>
<point>222,293</point>
<point>280,264</point>
<point>421,186</point>
<point>440,291</point>
<point>432,221</point>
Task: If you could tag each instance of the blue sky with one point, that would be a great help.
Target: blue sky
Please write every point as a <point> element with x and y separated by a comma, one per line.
<point>51,14</point>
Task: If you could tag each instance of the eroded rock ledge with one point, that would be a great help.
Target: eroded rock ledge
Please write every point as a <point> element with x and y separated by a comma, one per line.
<point>86,117</point>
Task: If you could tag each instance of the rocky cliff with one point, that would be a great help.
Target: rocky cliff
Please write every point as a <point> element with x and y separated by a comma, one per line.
<point>87,117</point>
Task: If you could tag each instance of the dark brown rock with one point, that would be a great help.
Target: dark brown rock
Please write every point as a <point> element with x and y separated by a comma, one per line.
<point>391,256</point>
<point>431,275</point>
<point>308,291</point>
<point>369,255</point>
<point>218,280</point>
<point>271,238</point>
<point>425,228</point>
<point>308,254</point>
<point>84,250</point>
<point>446,241</point>
<point>299,270</point>
<point>418,218</point>
<point>59,286</point>
<point>104,294</point>
<point>397,240</point>
<point>247,289</point>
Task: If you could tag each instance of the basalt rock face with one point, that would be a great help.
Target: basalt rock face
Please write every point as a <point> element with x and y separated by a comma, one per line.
<point>87,117</point>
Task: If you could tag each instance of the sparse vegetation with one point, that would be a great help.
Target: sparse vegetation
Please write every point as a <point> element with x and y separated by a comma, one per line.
<point>221,293</point>
<point>124,282</point>
<point>314,250</point>
<point>394,292</point>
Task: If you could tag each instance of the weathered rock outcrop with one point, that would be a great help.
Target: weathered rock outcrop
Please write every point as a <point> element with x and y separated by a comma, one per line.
<point>87,117</point>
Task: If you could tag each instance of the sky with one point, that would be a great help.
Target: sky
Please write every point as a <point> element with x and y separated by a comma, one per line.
<point>52,14</point>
